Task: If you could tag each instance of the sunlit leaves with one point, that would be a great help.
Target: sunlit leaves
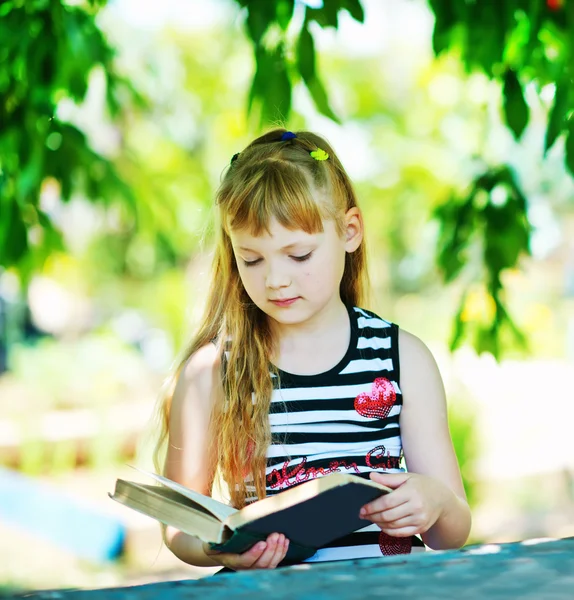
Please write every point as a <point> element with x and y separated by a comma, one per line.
<point>518,42</point>
<point>48,51</point>
<point>282,57</point>
<point>521,43</point>
<point>487,232</point>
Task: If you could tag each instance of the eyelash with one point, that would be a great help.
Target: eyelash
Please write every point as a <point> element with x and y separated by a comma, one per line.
<point>252,263</point>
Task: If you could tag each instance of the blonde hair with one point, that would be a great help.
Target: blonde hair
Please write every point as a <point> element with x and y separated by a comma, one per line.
<point>270,178</point>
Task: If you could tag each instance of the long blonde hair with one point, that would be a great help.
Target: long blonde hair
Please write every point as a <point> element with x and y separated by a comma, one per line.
<point>270,178</point>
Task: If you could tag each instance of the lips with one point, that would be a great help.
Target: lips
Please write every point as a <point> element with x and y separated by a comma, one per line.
<point>284,302</point>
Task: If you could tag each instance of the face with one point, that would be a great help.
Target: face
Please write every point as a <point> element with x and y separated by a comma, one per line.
<point>294,276</point>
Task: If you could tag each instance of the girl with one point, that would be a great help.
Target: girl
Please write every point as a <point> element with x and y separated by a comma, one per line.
<point>289,379</point>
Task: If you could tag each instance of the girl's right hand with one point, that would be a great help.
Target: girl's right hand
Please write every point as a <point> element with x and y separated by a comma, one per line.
<point>264,555</point>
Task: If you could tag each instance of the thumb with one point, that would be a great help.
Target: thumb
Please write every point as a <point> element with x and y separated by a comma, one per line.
<point>391,480</point>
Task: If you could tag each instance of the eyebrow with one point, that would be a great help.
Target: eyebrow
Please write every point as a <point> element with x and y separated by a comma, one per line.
<point>288,247</point>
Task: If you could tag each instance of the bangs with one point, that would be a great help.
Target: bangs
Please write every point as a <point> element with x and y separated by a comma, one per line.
<point>273,188</point>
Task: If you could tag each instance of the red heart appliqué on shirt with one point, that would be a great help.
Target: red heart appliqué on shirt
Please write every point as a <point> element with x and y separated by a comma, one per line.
<point>391,546</point>
<point>379,402</point>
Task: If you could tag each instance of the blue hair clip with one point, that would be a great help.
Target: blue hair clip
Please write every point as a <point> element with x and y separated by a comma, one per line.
<point>288,135</point>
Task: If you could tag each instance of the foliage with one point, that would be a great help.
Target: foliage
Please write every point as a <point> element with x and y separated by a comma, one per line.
<point>50,156</point>
<point>526,45</point>
<point>51,49</point>
<point>284,57</point>
<point>492,217</point>
<point>522,44</point>
<point>48,52</point>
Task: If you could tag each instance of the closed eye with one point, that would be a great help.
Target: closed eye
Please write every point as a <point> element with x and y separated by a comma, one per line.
<point>302,258</point>
<point>252,263</point>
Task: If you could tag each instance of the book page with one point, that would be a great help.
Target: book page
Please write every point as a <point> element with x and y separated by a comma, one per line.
<point>218,509</point>
<point>171,508</point>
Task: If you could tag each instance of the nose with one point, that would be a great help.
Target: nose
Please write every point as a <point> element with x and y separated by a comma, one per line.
<point>277,278</point>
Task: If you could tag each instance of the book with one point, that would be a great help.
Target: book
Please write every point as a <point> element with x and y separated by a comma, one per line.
<point>310,515</point>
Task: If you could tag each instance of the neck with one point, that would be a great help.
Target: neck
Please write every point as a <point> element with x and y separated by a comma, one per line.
<point>315,345</point>
<point>333,317</point>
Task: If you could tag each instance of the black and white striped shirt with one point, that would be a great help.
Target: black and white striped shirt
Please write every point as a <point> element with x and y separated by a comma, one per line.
<point>343,420</point>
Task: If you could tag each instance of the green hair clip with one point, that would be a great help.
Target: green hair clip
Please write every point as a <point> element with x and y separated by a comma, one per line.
<point>319,154</point>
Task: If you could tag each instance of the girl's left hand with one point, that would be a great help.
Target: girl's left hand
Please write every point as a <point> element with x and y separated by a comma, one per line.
<point>413,507</point>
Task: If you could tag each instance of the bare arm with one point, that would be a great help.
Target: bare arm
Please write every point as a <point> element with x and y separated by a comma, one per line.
<point>189,460</point>
<point>427,443</point>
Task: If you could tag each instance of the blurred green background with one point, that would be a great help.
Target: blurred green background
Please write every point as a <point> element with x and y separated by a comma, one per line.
<point>117,119</point>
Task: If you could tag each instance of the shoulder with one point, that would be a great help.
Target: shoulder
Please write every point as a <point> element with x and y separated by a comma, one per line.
<point>199,375</point>
<point>412,349</point>
<point>202,362</point>
<point>420,376</point>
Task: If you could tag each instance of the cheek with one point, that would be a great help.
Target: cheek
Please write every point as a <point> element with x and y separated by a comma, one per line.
<point>244,276</point>
<point>249,279</point>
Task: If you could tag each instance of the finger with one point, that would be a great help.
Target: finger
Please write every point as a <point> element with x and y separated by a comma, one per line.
<point>278,554</point>
<point>419,525</point>
<point>254,553</point>
<point>391,480</point>
<point>392,514</point>
<point>382,504</point>
<point>402,532</point>
<point>265,559</point>
<point>281,551</point>
<point>392,500</point>
<point>407,521</point>
<point>241,561</point>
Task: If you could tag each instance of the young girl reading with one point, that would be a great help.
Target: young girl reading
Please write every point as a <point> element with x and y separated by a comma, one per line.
<point>290,377</point>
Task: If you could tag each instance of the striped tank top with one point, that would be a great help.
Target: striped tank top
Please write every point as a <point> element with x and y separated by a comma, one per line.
<point>344,420</point>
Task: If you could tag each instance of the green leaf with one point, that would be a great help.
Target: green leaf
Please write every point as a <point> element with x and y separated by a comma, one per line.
<point>535,17</point>
<point>259,16</point>
<point>457,221</point>
<point>355,9</point>
<point>445,20</point>
<point>14,241</point>
<point>5,8</point>
<point>325,17</point>
<point>306,66</point>
<point>459,326</point>
<point>570,145</point>
<point>284,12</point>
<point>319,96</point>
<point>485,36</point>
<point>516,110</point>
<point>331,10</point>
<point>306,54</point>
<point>486,340</point>
<point>557,113</point>
<point>271,86</point>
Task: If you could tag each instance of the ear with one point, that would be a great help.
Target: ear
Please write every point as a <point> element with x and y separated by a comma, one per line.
<point>353,235</point>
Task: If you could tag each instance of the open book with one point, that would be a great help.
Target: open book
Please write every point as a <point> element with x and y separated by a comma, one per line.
<point>310,515</point>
